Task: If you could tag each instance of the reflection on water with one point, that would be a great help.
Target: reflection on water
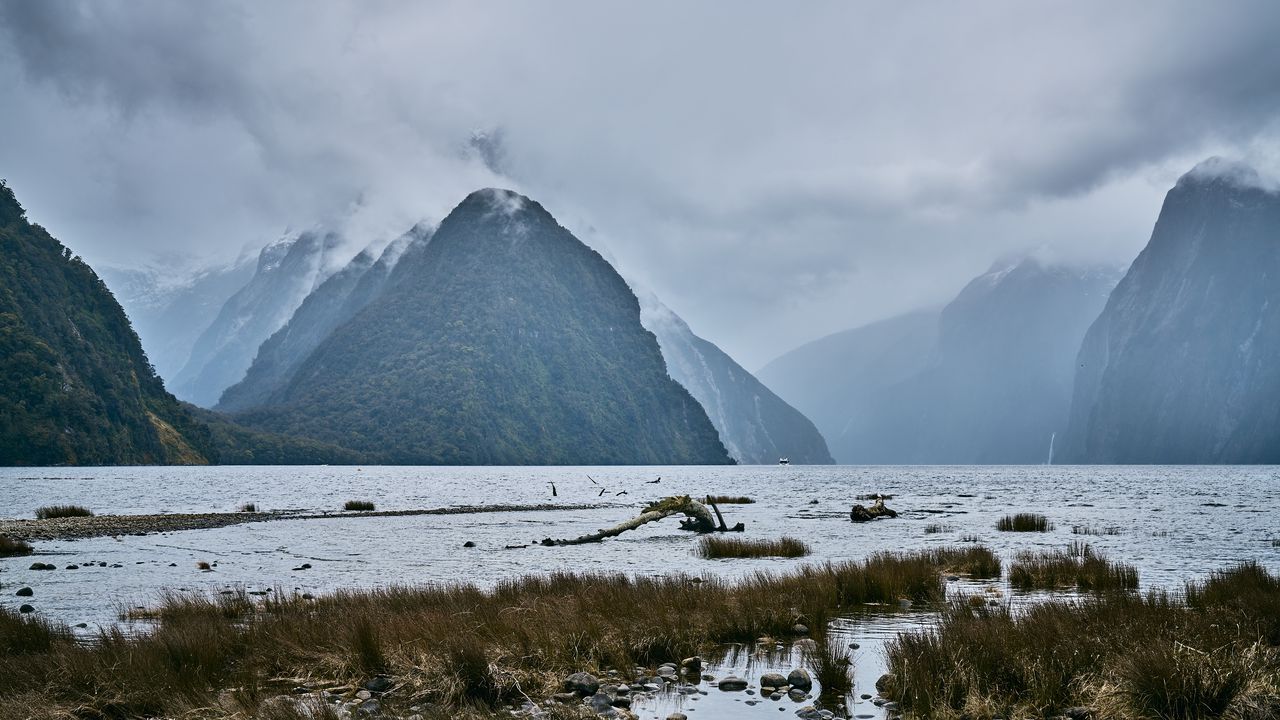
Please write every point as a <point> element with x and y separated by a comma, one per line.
<point>1172,523</point>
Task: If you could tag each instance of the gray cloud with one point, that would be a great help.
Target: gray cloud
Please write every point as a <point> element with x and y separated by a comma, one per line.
<point>772,172</point>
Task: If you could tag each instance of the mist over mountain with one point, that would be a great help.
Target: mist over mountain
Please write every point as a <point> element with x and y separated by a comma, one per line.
<point>75,385</point>
<point>847,381</point>
<point>988,380</point>
<point>503,340</point>
<point>287,271</point>
<point>170,307</point>
<point>334,302</point>
<point>755,425</point>
<point>1181,366</point>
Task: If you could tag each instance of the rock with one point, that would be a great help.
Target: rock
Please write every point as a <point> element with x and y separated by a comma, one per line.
<point>799,679</point>
<point>677,716</point>
<point>379,684</point>
<point>364,695</point>
<point>369,708</point>
<point>82,625</point>
<point>622,701</point>
<point>1078,713</point>
<point>854,646</point>
<point>73,567</point>
<point>26,609</point>
<point>885,684</point>
<point>692,664</point>
<point>600,702</point>
<point>468,544</point>
<point>308,596</point>
<point>582,683</point>
<point>861,513</point>
<point>623,689</point>
<point>732,684</point>
<point>800,629</point>
<point>25,592</point>
<point>41,566</point>
<point>773,680</point>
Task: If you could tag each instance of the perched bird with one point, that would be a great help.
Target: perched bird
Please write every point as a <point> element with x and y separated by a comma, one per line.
<point>553,490</point>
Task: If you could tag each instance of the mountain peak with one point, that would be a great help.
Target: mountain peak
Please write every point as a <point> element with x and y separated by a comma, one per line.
<point>1223,171</point>
<point>499,200</point>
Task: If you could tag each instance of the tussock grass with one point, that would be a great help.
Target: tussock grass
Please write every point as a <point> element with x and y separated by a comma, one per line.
<point>976,562</point>
<point>456,647</point>
<point>831,665</point>
<point>362,505</point>
<point>936,528</point>
<point>249,507</point>
<point>716,546</point>
<point>49,512</point>
<point>729,500</point>
<point>1024,522</point>
<point>1079,566</point>
<point>13,547</point>
<point>1205,654</point>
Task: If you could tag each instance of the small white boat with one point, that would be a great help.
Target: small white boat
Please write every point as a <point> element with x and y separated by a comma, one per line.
<point>784,461</point>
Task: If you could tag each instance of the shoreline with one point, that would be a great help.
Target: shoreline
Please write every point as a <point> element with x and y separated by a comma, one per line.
<point>82,528</point>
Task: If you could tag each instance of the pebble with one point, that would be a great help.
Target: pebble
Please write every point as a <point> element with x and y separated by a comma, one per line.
<point>26,609</point>
<point>25,592</point>
<point>732,684</point>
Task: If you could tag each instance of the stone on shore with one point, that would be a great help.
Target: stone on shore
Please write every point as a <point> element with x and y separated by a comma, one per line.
<point>584,684</point>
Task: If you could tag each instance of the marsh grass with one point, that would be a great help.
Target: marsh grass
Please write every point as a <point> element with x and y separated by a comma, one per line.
<point>1024,522</point>
<point>936,528</point>
<point>1207,653</point>
<point>13,547</point>
<point>248,507</point>
<point>361,505</point>
<point>456,646</point>
<point>1079,566</point>
<point>717,546</point>
<point>50,512</point>
<point>729,500</point>
<point>976,562</point>
<point>832,666</point>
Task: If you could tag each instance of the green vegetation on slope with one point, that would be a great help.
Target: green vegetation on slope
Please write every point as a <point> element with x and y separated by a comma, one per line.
<point>75,386</point>
<point>505,341</point>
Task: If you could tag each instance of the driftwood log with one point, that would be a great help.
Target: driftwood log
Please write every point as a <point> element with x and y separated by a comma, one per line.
<point>861,513</point>
<point>697,518</point>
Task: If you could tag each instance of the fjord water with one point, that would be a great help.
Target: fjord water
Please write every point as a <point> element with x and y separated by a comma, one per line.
<point>1173,523</point>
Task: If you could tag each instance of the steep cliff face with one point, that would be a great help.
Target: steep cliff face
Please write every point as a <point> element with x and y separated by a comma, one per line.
<point>986,380</point>
<point>504,340</point>
<point>287,271</point>
<point>334,302</point>
<point>755,425</point>
<point>75,386</point>
<point>1181,366</point>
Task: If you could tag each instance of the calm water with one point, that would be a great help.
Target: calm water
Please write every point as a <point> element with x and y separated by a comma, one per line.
<point>1173,523</point>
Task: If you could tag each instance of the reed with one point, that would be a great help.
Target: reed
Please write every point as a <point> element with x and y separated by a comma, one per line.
<point>1024,522</point>
<point>13,547</point>
<point>456,647</point>
<point>50,512</point>
<point>936,528</point>
<point>1079,566</point>
<point>1206,653</point>
<point>248,507</point>
<point>716,547</point>
<point>729,500</point>
<point>361,505</point>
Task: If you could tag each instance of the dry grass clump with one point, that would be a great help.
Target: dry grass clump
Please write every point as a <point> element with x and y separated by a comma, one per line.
<point>1206,655</point>
<point>455,646</point>
<point>729,500</point>
<point>1024,522</point>
<point>12,547</point>
<point>1094,530</point>
<point>248,507</point>
<point>832,666</point>
<point>49,512</point>
<point>362,505</point>
<point>976,562</point>
<point>716,546</point>
<point>1079,566</point>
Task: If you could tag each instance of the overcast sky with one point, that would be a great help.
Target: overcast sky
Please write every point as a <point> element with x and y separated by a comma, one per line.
<point>773,171</point>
